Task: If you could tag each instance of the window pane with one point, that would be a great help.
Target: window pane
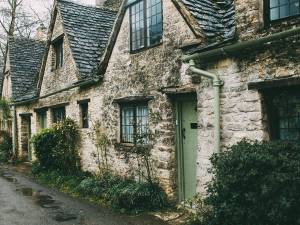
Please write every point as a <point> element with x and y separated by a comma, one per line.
<point>273,3</point>
<point>59,115</point>
<point>137,26</point>
<point>294,8</point>
<point>274,14</point>
<point>128,121</point>
<point>142,124</point>
<point>283,2</point>
<point>284,11</point>
<point>154,22</point>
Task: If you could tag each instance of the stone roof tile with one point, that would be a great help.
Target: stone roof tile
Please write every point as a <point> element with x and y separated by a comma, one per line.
<point>88,30</point>
<point>25,56</point>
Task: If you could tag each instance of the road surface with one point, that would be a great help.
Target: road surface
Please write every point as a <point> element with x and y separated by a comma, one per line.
<point>23,202</point>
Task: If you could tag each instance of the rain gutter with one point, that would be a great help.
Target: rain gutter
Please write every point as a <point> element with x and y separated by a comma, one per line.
<point>75,85</point>
<point>217,82</point>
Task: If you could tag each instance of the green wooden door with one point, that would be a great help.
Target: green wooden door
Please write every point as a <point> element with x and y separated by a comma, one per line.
<point>187,147</point>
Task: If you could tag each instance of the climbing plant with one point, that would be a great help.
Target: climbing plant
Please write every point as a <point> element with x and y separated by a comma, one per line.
<point>99,137</point>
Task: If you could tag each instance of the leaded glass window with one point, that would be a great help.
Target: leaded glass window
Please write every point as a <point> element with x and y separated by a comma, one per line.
<point>146,24</point>
<point>287,106</point>
<point>134,125</point>
<point>280,9</point>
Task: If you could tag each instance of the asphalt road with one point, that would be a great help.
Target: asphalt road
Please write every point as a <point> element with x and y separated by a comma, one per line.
<point>23,202</point>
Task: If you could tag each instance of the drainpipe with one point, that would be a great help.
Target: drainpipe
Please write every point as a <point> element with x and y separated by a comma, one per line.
<point>14,131</point>
<point>217,83</point>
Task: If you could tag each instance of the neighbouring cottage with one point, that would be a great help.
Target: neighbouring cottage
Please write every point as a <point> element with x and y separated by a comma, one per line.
<point>183,78</point>
<point>24,58</point>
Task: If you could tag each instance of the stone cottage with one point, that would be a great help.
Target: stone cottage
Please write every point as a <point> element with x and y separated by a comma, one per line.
<point>22,64</point>
<point>183,78</point>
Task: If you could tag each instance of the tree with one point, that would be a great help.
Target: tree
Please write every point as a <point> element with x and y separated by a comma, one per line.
<point>15,19</point>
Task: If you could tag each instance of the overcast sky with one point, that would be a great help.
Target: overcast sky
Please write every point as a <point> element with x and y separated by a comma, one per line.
<point>42,6</point>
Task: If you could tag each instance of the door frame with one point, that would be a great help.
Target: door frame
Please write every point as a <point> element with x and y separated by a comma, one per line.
<point>27,117</point>
<point>177,103</point>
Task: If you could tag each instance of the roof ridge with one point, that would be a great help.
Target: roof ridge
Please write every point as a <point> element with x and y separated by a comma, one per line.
<point>25,38</point>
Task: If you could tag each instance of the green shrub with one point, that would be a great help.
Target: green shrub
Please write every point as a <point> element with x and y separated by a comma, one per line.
<point>256,183</point>
<point>56,148</point>
<point>132,196</point>
<point>5,146</point>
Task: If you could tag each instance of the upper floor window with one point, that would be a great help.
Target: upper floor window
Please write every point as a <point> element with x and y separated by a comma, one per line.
<point>146,24</point>
<point>280,9</point>
<point>59,53</point>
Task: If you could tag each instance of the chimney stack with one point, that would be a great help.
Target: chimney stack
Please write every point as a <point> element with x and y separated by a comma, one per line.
<point>41,33</point>
<point>100,3</point>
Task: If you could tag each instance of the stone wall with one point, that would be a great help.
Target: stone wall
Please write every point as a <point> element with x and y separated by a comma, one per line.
<point>147,72</point>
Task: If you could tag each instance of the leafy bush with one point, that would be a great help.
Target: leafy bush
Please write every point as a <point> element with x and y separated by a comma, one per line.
<point>256,183</point>
<point>131,196</point>
<point>121,194</point>
<point>55,148</point>
<point>5,146</point>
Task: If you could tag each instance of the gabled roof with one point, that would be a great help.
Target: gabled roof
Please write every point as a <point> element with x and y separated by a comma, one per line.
<point>25,56</point>
<point>88,30</point>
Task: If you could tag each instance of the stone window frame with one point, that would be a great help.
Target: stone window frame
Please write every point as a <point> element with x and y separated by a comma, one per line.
<point>145,20</point>
<point>84,110</point>
<point>266,10</point>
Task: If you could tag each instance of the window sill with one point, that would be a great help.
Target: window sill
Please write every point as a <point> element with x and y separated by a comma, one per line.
<point>132,148</point>
<point>132,52</point>
<point>269,23</point>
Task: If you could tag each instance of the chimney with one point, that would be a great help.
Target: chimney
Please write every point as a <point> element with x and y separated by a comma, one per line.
<point>100,3</point>
<point>41,33</point>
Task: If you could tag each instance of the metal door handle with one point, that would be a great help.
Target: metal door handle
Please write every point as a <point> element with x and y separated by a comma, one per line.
<point>183,133</point>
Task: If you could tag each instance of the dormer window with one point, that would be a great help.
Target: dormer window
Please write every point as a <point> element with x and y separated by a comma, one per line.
<point>59,53</point>
<point>146,24</point>
<point>280,9</point>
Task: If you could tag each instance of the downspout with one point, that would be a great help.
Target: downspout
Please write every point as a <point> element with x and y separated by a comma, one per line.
<point>14,132</point>
<point>217,83</point>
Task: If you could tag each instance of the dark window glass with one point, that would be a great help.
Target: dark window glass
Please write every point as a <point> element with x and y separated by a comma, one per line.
<point>285,115</point>
<point>42,119</point>
<point>146,24</point>
<point>134,126</point>
<point>59,54</point>
<point>59,114</point>
<point>280,9</point>
<point>84,108</point>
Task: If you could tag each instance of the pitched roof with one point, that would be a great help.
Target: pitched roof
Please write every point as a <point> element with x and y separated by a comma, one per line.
<point>213,20</point>
<point>88,30</point>
<point>25,56</point>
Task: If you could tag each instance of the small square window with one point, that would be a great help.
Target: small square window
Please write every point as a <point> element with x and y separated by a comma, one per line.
<point>84,114</point>
<point>134,124</point>
<point>59,114</point>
